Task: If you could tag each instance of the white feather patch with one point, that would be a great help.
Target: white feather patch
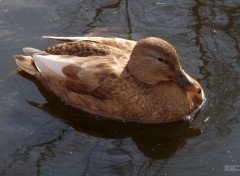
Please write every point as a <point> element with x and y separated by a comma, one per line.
<point>50,64</point>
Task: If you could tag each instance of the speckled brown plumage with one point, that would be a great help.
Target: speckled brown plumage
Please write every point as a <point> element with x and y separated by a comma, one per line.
<point>122,79</point>
<point>80,48</point>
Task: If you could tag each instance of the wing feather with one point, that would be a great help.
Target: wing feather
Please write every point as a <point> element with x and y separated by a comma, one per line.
<point>119,43</point>
<point>50,64</point>
<point>81,77</point>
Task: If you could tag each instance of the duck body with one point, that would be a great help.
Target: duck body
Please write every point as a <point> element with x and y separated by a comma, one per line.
<point>118,78</point>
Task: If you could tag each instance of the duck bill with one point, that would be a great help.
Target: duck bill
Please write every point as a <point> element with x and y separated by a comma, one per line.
<point>183,80</point>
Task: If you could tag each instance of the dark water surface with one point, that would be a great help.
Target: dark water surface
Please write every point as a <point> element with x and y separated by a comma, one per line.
<point>53,139</point>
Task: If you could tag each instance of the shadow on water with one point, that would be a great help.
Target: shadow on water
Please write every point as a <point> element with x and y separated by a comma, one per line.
<point>157,141</point>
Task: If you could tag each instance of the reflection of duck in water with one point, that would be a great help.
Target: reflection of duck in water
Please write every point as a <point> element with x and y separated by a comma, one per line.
<point>122,79</point>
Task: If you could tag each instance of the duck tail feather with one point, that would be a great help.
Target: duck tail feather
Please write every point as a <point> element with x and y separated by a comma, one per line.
<point>26,63</point>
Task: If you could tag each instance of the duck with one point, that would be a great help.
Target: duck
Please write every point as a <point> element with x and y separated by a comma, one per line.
<point>137,81</point>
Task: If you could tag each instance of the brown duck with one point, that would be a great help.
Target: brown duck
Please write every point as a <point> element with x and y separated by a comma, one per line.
<point>123,79</point>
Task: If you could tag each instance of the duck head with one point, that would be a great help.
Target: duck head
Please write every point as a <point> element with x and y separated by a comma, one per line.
<point>154,60</point>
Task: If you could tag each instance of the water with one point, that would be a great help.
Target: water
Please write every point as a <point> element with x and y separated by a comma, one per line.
<point>39,135</point>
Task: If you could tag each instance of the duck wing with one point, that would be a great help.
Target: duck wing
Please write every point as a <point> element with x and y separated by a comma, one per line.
<point>119,43</point>
<point>82,48</point>
<point>89,75</point>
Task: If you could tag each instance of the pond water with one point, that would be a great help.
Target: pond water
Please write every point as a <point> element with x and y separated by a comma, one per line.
<point>39,135</point>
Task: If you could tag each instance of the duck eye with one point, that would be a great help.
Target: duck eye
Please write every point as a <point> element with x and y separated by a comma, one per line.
<point>160,59</point>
